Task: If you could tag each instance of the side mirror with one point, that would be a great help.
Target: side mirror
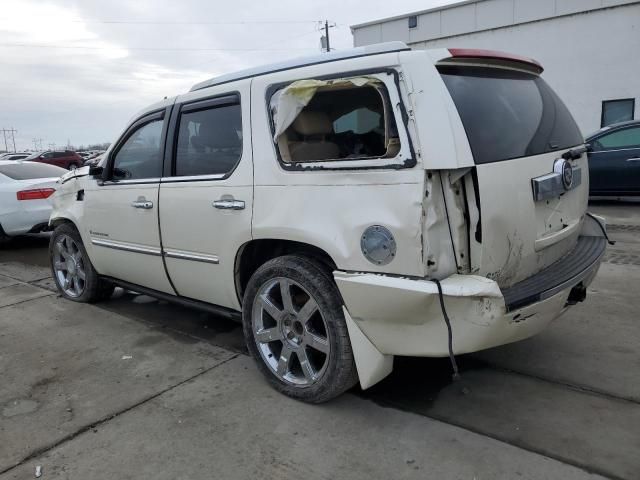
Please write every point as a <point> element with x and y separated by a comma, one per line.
<point>96,171</point>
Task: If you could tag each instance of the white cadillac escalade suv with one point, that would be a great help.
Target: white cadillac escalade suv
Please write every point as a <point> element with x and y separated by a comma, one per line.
<point>346,208</point>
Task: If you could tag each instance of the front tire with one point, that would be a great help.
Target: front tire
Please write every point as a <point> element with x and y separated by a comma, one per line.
<point>295,329</point>
<point>71,268</point>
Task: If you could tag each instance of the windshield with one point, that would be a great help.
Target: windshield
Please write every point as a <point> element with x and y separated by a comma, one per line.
<point>509,114</point>
<point>30,170</point>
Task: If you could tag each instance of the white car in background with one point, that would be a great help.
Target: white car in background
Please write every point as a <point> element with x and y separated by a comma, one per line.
<point>15,156</point>
<point>25,196</point>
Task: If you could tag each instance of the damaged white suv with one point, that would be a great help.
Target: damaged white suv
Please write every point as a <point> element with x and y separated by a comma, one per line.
<point>348,208</point>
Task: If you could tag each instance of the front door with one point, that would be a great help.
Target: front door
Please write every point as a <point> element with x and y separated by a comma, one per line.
<point>206,199</point>
<point>614,163</point>
<point>122,210</point>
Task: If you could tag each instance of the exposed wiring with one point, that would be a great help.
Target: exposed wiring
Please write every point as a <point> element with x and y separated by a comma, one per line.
<point>604,232</point>
<point>454,364</point>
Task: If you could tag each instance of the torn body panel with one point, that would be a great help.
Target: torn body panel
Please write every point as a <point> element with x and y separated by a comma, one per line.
<point>403,316</point>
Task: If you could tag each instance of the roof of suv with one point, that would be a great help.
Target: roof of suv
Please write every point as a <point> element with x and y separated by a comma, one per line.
<point>376,49</point>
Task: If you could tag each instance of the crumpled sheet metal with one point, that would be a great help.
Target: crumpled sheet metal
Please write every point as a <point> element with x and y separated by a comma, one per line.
<point>454,285</point>
<point>296,96</point>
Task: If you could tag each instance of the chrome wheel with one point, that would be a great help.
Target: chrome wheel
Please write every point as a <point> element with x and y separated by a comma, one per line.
<point>68,265</point>
<point>290,332</point>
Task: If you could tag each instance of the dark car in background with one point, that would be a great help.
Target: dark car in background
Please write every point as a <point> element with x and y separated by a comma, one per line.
<point>63,158</point>
<point>614,160</point>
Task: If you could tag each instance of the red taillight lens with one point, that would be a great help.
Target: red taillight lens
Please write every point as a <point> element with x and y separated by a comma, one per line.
<point>35,194</point>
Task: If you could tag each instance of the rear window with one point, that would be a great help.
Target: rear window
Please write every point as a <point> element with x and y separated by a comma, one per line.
<point>29,170</point>
<point>509,114</point>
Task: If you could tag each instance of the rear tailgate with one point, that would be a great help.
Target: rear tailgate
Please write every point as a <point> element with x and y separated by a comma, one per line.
<point>518,130</point>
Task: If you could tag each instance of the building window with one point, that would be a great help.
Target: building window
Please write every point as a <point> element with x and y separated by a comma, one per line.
<point>413,21</point>
<point>614,111</point>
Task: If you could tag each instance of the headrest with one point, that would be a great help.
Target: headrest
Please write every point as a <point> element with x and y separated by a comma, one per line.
<point>312,123</point>
<point>218,134</point>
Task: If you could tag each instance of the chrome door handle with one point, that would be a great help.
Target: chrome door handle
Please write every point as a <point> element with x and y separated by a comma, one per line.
<point>228,204</point>
<point>140,203</point>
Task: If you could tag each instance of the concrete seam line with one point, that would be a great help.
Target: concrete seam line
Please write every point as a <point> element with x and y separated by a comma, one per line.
<point>573,386</point>
<point>516,444</point>
<point>110,417</point>
<point>48,294</point>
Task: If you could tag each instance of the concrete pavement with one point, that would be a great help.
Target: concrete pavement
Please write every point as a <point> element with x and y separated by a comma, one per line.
<point>76,404</point>
<point>564,404</point>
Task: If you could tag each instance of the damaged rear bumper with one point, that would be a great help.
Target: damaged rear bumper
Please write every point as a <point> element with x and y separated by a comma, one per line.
<point>389,316</point>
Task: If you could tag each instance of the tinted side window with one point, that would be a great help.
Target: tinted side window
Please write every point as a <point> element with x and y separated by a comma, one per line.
<point>627,138</point>
<point>209,141</point>
<point>140,156</point>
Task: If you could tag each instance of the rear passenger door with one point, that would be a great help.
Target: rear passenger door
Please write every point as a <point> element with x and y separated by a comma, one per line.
<point>206,195</point>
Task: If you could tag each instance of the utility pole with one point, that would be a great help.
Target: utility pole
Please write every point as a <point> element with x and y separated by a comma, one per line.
<point>325,43</point>
<point>37,142</point>
<point>12,131</point>
<point>326,33</point>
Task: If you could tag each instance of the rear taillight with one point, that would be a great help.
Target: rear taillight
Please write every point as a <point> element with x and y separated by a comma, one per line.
<point>35,194</point>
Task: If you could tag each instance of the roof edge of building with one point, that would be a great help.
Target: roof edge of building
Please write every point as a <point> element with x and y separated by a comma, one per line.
<point>468,2</point>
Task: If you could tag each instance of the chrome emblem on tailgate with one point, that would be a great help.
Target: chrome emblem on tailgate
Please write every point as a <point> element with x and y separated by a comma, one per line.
<point>563,179</point>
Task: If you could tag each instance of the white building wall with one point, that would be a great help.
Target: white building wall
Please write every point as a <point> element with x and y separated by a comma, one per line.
<point>588,57</point>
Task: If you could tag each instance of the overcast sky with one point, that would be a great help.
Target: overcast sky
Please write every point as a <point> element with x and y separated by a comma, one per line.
<point>122,55</point>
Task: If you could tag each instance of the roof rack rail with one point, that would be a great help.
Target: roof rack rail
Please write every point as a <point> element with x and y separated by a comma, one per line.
<point>375,49</point>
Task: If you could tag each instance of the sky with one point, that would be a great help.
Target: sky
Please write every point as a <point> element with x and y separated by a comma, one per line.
<point>76,71</point>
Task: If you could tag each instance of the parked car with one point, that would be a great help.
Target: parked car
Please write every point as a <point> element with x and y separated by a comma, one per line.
<point>64,158</point>
<point>614,160</point>
<point>25,196</point>
<point>15,156</point>
<point>347,208</point>
<point>94,160</point>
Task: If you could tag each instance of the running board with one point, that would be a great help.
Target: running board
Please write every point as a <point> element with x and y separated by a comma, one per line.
<point>187,302</point>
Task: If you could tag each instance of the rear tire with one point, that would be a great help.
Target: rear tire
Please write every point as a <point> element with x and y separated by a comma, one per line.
<point>72,271</point>
<point>295,329</point>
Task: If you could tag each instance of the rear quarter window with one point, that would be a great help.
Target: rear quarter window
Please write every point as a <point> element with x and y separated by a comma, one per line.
<point>31,170</point>
<point>509,114</point>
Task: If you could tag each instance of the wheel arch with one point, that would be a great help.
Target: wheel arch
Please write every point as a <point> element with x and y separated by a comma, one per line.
<point>251,255</point>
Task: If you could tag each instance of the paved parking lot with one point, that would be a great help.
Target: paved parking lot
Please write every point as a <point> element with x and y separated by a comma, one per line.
<point>137,388</point>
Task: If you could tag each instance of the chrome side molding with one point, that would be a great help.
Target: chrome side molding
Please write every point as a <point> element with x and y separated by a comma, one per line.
<point>200,257</point>
<point>126,247</point>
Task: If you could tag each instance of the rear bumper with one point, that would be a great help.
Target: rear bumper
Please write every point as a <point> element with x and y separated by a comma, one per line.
<point>24,220</point>
<point>568,272</point>
<point>401,316</point>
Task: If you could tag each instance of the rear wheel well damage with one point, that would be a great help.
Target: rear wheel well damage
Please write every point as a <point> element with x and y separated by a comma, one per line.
<point>255,253</point>
<point>53,223</point>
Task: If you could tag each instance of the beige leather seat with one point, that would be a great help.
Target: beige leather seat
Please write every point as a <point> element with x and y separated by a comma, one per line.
<point>313,127</point>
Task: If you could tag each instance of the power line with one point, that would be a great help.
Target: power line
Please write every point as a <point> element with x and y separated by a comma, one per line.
<point>234,22</point>
<point>156,49</point>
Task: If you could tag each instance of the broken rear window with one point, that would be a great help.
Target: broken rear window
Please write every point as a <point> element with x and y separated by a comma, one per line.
<point>346,119</point>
